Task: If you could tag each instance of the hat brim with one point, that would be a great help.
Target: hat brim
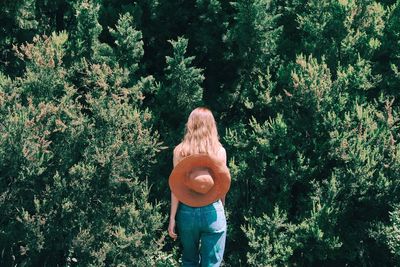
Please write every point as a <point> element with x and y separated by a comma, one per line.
<point>220,174</point>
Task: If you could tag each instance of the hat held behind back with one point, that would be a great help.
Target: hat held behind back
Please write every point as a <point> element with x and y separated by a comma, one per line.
<point>203,189</point>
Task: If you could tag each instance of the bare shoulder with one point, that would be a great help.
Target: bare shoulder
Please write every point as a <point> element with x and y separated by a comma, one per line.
<point>222,154</point>
<point>177,149</point>
<point>177,154</point>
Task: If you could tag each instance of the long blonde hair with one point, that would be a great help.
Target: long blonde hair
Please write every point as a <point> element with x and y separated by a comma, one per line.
<point>201,135</point>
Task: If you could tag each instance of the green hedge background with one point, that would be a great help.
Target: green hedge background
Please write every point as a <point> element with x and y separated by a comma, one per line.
<point>94,95</point>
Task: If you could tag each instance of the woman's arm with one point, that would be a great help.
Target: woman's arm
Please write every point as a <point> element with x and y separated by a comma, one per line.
<point>174,204</point>
<point>174,207</point>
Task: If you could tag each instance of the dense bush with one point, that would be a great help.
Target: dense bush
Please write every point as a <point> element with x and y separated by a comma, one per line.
<point>94,95</point>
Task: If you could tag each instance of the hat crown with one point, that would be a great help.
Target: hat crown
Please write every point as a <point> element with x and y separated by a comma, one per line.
<point>200,180</point>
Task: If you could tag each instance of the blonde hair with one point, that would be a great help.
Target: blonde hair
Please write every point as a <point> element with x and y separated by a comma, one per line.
<point>201,135</point>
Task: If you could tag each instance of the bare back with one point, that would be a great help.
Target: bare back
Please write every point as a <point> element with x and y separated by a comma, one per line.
<point>221,155</point>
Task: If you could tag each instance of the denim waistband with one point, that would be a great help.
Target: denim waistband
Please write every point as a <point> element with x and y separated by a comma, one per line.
<point>212,206</point>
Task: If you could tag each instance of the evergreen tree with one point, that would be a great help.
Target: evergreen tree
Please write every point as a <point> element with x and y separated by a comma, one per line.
<point>93,97</point>
<point>181,90</point>
<point>77,172</point>
<point>254,39</point>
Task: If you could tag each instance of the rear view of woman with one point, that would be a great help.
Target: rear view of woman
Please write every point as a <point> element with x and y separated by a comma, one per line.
<point>199,183</point>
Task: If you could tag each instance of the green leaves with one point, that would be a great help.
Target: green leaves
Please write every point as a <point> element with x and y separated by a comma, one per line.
<point>271,239</point>
<point>45,74</point>
<point>129,43</point>
<point>95,94</point>
<point>393,234</point>
<point>76,150</point>
<point>254,39</point>
<point>183,80</point>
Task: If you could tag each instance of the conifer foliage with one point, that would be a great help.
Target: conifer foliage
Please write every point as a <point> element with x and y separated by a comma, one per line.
<point>94,95</point>
<point>75,160</point>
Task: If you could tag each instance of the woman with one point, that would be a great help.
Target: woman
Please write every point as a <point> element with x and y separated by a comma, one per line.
<point>202,228</point>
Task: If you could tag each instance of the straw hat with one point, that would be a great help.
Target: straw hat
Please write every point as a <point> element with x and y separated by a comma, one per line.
<point>198,180</point>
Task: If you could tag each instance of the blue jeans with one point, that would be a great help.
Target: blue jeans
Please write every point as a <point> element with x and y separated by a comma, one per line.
<point>203,233</point>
